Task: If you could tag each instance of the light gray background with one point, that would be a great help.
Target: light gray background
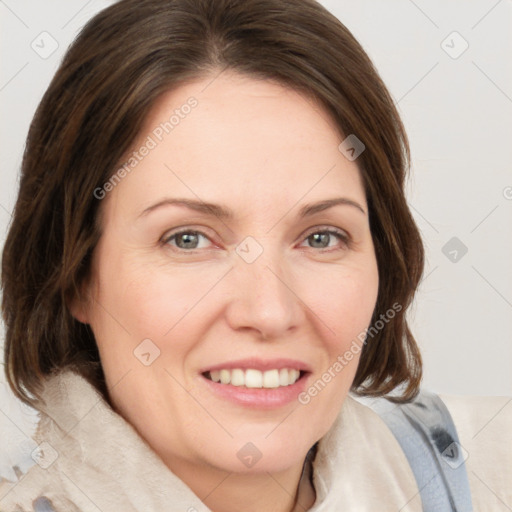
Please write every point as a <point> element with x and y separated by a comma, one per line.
<point>457,109</point>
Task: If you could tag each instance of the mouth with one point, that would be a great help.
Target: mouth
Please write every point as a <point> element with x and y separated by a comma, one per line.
<point>255,379</point>
<point>257,384</point>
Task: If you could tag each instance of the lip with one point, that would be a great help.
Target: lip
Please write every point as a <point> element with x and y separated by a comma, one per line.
<point>258,398</point>
<point>260,364</point>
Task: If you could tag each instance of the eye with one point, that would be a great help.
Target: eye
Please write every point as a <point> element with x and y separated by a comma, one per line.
<point>189,240</point>
<point>186,239</point>
<point>321,239</point>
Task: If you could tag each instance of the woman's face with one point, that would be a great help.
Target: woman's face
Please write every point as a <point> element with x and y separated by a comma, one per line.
<point>236,247</point>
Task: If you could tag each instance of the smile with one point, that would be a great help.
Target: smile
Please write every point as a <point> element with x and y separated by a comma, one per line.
<point>257,383</point>
<point>252,378</point>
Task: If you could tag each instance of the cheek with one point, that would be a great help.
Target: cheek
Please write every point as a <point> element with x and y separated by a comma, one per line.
<point>344,300</point>
<point>144,296</point>
<point>155,302</point>
<point>160,303</point>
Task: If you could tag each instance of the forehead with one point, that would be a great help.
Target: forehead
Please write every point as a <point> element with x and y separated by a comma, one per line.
<point>243,141</point>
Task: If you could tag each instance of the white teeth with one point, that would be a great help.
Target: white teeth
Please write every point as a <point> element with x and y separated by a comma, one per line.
<point>293,375</point>
<point>271,379</point>
<point>237,378</point>
<point>225,376</point>
<point>283,377</point>
<point>255,378</point>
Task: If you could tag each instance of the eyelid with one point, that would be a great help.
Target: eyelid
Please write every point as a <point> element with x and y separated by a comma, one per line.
<point>342,235</point>
<point>326,228</point>
<point>186,229</point>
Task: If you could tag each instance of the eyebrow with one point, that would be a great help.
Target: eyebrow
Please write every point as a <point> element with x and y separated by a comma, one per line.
<point>225,213</point>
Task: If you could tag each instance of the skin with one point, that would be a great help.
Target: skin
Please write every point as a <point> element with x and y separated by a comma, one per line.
<point>263,151</point>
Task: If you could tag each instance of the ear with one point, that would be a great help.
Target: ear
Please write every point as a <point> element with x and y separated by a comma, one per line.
<point>79,306</point>
<point>78,311</point>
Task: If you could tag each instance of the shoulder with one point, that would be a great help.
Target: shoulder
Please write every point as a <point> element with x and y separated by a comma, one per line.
<point>484,426</point>
<point>359,461</point>
<point>481,428</point>
<point>43,485</point>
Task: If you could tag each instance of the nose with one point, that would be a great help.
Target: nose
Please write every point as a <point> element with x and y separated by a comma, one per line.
<point>265,299</point>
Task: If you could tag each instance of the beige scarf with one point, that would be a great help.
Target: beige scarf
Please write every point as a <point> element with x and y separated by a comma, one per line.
<point>93,460</point>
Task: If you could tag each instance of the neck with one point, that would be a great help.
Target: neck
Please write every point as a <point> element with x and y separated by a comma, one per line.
<point>255,492</point>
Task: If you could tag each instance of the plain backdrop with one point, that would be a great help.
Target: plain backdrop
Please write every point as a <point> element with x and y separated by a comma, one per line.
<point>447,64</point>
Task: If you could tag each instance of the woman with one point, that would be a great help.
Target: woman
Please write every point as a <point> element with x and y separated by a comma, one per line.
<point>210,249</point>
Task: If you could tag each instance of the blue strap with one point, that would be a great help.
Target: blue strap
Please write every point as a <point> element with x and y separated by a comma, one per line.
<point>428,437</point>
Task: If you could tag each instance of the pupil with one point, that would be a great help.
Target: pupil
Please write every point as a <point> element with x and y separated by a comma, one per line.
<point>320,238</point>
<point>187,241</point>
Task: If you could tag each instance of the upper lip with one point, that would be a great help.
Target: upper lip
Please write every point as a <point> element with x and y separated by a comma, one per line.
<point>259,364</point>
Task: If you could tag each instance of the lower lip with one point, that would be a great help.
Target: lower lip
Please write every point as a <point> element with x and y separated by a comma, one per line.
<point>261,398</point>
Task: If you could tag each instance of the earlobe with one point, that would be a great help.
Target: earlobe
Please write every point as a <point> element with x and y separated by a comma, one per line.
<point>78,307</point>
<point>77,311</point>
<point>79,315</point>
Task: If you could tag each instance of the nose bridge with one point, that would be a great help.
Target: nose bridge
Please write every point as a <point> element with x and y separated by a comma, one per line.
<point>264,299</point>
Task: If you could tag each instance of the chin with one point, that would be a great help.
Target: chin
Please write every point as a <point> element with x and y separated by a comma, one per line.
<point>258,452</point>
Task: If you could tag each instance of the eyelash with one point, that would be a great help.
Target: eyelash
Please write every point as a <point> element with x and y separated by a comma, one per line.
<point>342,236</point>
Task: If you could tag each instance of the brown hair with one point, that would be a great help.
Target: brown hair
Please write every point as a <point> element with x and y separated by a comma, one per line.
<point>122,61</point>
